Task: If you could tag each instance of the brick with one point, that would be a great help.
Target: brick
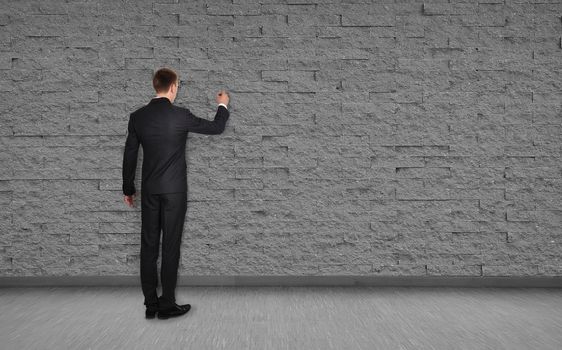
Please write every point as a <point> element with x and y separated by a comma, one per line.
<point>386,138</point>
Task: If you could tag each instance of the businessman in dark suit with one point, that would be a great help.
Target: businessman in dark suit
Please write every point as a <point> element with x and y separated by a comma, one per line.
<point>161,128</point>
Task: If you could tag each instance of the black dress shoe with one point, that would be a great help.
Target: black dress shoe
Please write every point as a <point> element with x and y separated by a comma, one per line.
<point>173,311</point>
<point>150,313</point>
<point>186,306</point>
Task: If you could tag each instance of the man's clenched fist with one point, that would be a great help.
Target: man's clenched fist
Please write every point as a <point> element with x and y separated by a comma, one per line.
<point>222,97</point>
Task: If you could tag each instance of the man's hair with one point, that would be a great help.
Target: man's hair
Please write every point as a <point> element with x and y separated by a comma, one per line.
<point>163,79</point>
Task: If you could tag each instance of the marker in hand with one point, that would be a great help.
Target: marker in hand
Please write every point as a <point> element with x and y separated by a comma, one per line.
<point>222,97</point>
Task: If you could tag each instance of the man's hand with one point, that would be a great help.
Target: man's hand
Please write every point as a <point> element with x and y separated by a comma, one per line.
<point>222,97</point>
<point>129,200</point>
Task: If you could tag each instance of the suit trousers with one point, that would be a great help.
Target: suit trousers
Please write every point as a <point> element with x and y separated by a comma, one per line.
<point>162,212</point>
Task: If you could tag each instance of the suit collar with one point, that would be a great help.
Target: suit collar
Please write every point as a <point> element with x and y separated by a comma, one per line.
<point>160,100</point>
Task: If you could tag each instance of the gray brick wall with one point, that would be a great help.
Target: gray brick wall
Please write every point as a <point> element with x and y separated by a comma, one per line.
<point>365,138</point>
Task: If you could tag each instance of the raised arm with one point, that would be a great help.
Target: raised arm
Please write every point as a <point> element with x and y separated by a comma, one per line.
<point>204,126</point>
<point>208,127</point>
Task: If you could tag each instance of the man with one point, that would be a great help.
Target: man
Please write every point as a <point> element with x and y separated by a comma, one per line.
<point>161,128</point>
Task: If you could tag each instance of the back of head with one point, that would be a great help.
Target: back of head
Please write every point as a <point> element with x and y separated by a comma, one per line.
<point>162,79</point>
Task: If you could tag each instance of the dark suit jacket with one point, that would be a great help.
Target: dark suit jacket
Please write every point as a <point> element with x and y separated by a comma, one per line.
<point>161,128</point>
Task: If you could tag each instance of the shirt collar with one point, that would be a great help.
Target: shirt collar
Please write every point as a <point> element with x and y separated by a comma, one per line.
<point>160,99</point>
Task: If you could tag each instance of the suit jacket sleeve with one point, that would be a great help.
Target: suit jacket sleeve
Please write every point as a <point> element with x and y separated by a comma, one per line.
<point>207,127</point>
<point>130,159</point>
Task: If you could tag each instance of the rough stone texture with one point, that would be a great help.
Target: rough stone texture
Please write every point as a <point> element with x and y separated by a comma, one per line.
<point>370,138</point>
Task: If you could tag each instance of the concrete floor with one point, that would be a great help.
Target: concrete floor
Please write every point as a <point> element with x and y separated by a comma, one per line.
<point>284,318</point>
